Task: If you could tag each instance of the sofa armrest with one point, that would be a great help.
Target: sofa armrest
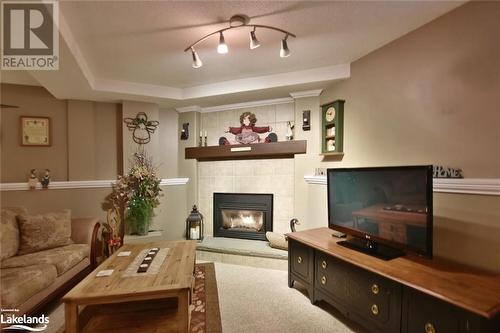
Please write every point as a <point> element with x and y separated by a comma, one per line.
<point>85,231</point>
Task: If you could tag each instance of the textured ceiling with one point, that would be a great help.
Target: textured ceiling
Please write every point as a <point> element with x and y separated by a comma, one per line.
<point>143,41</point>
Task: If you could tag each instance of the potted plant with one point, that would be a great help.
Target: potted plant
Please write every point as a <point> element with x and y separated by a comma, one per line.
<point>137,193</point>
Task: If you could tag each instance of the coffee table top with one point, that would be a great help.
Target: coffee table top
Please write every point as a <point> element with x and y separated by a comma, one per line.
<point>175,274</point>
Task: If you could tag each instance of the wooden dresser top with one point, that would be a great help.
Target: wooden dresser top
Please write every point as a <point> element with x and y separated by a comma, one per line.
<point>463,286</point>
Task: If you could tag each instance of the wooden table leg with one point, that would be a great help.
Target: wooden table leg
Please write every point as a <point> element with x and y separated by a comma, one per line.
<point>183,311</point>
<point>71,314</point>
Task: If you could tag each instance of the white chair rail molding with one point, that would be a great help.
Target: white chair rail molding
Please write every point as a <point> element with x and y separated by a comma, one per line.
<point>80,184</point>
<point>481,186</point>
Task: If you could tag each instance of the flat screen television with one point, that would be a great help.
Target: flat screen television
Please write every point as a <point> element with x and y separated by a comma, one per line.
<point>386,210</point>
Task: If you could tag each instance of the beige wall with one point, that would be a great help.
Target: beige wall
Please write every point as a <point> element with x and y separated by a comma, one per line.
<point>90,143</point>
<point>85,137</point>
<point>17,160</point>
<point>430,97</point>
<point>93,140</point>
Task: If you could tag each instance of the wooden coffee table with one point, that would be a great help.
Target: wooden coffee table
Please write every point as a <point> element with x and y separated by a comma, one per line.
<point>173,280</point>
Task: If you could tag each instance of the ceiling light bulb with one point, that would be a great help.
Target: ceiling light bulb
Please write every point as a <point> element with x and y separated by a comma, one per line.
<point>197,63</point>
<point>222,48</point>
<point>284,51</point>
<point>254,42</point>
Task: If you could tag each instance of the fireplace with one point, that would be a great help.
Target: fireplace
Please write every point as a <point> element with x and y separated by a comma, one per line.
<point>243,215</point>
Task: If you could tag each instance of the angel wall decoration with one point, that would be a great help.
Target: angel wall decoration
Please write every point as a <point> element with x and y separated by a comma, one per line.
<point>141,127</point>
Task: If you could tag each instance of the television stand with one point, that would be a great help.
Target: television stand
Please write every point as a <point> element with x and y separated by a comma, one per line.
<point>372,248</point>
<point>409,294</point>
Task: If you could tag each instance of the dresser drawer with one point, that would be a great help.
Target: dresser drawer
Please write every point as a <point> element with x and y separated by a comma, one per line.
<point>301,261</point>
<point>371,299</point>
<point>425,314</point>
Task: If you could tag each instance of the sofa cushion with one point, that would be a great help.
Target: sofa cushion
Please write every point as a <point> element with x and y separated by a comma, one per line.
<point>19,284</point>
<point>63,258</point>
<point>9,234</point>
<point>44,231</point>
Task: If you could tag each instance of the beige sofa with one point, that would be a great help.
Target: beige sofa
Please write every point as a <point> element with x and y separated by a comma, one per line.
<point>29,280</point>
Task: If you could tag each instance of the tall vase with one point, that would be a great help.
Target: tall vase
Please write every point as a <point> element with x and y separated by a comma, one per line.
<point>138,216</point>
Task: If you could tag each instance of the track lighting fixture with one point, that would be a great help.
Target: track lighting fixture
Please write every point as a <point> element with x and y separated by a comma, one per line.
<point>254,42</point>
<point>222,47</point>
<point>197,63</point>
<point>284,51</point>
<point>239,21</point>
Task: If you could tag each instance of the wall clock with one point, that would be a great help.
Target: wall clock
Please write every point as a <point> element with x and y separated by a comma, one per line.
<point>330,114</point>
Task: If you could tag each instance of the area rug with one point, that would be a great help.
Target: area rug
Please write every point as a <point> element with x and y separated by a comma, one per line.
<point>158,316</point>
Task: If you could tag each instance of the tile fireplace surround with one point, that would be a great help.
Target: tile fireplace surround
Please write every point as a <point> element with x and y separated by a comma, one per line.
<point>249,176</point>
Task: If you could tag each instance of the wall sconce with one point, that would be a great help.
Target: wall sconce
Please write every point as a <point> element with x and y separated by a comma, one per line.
<point>194,225</point>
<point>306,120</point>
<point>185,131</point>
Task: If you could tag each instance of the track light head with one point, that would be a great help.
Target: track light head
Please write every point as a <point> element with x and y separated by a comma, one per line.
<point>284,51</point>
<point>197,63</point>
<point>222,47</point>
<point>254,42</point>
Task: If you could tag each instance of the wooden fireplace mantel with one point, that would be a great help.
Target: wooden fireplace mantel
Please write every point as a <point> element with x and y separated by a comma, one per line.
<point>282,149</point>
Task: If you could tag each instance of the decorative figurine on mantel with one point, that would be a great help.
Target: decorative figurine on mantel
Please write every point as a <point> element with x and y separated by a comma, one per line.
<point>33,180</point>
<point>248,133</point>
<point>289,130</point>
<point>45,179</point>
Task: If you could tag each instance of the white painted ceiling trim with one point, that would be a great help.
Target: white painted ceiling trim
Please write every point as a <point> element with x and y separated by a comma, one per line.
<point>129,89</point>
<point>482,186</point>
<point>82,184</point>
<point>328,73</point>
<point>306,93</point>
<point>234,106</point>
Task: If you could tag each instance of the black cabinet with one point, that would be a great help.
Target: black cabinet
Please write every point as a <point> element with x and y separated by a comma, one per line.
<point>425,314</point>
<point>379,303</point>
<point>360,295</point>
<point>300,266</point>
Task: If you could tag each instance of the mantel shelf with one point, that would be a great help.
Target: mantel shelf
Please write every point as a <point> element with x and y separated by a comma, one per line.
<point>283,149</point>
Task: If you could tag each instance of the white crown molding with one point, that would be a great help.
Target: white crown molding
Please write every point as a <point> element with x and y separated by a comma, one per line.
<point>191,108</point>
<point>82,184</point>
<point>306,93</point>
<point>327,73</point>
<point>275,101</point>
<point>481,186</point>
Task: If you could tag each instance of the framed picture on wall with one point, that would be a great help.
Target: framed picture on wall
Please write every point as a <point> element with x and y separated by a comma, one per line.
<point>35,131</point>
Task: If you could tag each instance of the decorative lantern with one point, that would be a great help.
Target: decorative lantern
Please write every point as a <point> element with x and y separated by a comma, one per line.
<point>194,225</point>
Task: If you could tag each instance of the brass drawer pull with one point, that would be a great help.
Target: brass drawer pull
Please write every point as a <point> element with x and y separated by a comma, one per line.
<point>323,280</point>
<point>323,264</point>
<point>375,289</point>
<point>429,328</point>
<point>375,309</point>
<point>299,260</point>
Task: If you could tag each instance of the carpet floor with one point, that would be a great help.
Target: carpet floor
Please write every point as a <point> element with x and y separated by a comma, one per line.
<point>259,300</point>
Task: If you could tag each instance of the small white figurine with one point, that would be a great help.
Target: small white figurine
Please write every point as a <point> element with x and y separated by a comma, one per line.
<point>46,179</point>
<point>289,130</point>
<point>33,180</point>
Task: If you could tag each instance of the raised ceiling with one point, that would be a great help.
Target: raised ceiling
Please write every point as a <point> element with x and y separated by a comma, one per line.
<point>134,49</point>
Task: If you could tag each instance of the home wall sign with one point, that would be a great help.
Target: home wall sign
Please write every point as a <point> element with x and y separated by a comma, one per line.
<point>141,127</point>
